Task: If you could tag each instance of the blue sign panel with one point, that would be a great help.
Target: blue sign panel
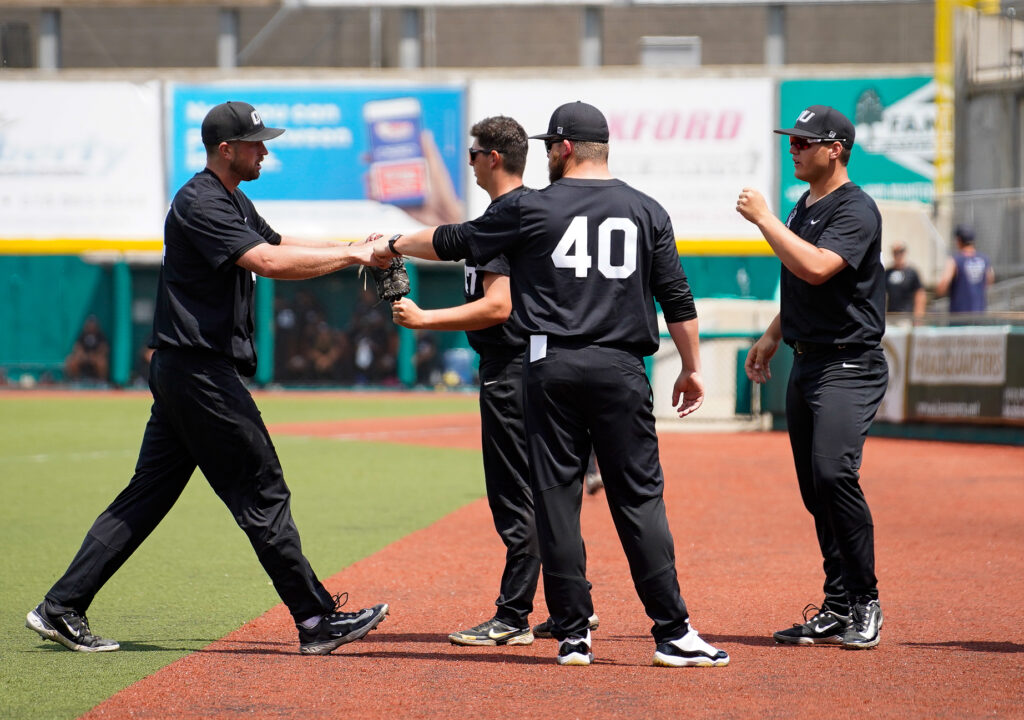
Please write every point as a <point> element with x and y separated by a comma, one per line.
<point>341,142</point>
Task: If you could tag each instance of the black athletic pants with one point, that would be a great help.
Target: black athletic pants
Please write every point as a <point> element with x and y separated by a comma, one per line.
<point>576,399</point>
<point>831,400</point>
<point>202,416</point>
<point>507,477</point>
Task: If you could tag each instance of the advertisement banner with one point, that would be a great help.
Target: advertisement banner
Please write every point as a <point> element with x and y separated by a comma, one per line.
<point>966,374</point>
<point>894,153</point>
<point>895,344</point>
<point>352,156</point>
<point>691,144</point>
<point>80,163</point>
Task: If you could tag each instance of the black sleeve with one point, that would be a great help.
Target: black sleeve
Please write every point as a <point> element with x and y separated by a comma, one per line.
<point>849,232</point>
<point>220,233</point>
<point>264,230</point>
<point>480,240</point>
<point>668,281</point>
<point>915,280</point>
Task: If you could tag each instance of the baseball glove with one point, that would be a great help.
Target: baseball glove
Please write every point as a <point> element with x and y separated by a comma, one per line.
<point>392,281</point>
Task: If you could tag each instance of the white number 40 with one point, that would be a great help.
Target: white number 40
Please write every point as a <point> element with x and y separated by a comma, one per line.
<point>571,251</point>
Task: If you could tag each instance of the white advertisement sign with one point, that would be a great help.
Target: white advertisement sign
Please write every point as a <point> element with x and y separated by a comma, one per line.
<point>959,356</point>
<point>895,343</point>
<point>80,160</point>
<point>691,144</point>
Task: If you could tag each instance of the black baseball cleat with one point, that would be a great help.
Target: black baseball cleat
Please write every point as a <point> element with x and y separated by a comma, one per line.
<point>689,651</point>
<point>543,630</point>
<point>492,632</point>
<point>338,628</point>
<point>575,651</point>
<point>865,630</point>
<point>69,629</point>
<point>824,627</point>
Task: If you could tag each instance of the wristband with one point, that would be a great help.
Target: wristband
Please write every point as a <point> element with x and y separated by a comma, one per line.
<point>391,245</point>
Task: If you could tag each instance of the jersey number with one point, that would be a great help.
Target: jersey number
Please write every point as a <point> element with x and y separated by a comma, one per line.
<point>470,280</point>
<point>571,251</point>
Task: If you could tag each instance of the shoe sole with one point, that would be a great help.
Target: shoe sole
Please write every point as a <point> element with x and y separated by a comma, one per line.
<point>460,639</point>
<point>830,640</point>
<point>546,635</point>
<point>865,645</point>
<point>326,648</point>
<point>36,623</point>
<point>861,646</point>
<point>661,660</point>
<point>578,659</point>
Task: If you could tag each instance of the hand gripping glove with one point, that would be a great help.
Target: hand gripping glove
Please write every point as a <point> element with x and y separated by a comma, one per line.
<point>392,281</point>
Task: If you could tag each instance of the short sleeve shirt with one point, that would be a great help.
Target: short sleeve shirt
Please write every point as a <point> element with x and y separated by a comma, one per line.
<point>901,285</point>
<point>204,299</point>
<point>506,338</point>
<point>587,258</point>
<point>849,307</point>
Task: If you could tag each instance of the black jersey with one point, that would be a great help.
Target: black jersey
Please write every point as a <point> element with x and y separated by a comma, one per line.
<point>204,301</point>
<point>848,308</point>
<point>587,259</point>
<point>506,338</point>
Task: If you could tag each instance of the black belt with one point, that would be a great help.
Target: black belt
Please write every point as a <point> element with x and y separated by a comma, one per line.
<point>800,347</point>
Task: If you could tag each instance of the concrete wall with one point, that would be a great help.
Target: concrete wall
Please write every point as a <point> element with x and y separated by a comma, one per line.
<point>472,37</point>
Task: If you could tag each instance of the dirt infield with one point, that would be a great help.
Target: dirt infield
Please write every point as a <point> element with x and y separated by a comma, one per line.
<point>949,532</point>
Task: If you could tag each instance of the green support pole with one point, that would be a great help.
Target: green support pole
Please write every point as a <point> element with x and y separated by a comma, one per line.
<point>121,339</point>
<point>264,330</point>
<point>407,337</point>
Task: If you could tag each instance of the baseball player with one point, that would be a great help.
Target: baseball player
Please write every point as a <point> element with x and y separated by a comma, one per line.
<point>833,316</point>
<point>498,158</point>
<point>215,243</point>
<point>587,257</point>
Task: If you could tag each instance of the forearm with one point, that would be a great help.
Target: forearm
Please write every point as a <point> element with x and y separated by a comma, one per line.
<point>419,244</point>
<point>774,330</point>
<point>291,262</point>
<point>686,336</point>
<point>308,242</point>
<point>471,316</point>
<point>920,301</point>
<point>805,260</point>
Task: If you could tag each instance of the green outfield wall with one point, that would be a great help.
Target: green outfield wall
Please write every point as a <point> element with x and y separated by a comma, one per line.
<point>47,298</point>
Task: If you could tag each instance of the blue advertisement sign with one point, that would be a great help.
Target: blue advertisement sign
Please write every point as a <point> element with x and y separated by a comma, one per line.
<point>389,143</point>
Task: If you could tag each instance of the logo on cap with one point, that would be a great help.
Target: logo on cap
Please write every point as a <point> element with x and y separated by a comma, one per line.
<point>255,116</point>
<point>805,116</point>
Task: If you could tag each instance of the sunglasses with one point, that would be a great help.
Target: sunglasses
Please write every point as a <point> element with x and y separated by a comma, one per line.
<point>550,143</point>
<point>473,152</point>
<point>803,143</point>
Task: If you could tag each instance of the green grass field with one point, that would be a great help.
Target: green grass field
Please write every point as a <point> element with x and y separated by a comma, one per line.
<point>64,458</point>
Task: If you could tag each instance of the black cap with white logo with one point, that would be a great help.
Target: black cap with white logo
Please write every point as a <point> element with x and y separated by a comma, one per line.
<point>232,121</point>
<point>821,122</point>
<point>576,121</point>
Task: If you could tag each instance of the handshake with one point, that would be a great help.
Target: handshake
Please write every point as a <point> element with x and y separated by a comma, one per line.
<point>387,268</point>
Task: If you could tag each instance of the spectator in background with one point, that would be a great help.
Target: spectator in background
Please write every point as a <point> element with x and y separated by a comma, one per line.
<point>427,359</point>
<point>903,288</point>
<point>967,275</point>
<point>330,355</point>
<point>90,355</point>
<point>374,340</point>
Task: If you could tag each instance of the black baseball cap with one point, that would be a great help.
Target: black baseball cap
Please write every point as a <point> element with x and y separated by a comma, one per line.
<point>576,121</point>
<point>965,233</point>
<point>821,122</point>
<point>235,121</point>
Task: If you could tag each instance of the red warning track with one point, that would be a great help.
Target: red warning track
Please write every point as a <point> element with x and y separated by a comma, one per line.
<point>949,524</point>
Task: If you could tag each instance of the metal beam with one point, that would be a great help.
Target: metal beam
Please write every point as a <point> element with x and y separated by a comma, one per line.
<point>49,39</point>
<point>227,39</point>
<point>591,51</point>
